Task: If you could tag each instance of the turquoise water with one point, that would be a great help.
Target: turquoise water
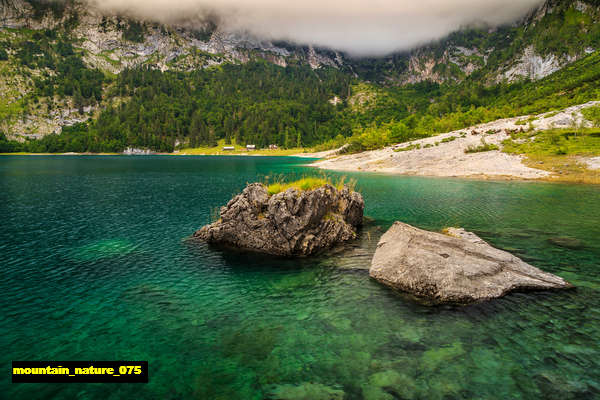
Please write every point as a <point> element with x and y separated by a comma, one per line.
<point>93,267</point>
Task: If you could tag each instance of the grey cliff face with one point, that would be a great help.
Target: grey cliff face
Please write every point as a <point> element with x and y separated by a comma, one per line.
<point>290,223</point>
<point>455,268</point>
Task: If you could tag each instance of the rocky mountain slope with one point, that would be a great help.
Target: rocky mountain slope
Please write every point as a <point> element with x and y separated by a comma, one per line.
<point>549,38</point>
<point>113,42</point>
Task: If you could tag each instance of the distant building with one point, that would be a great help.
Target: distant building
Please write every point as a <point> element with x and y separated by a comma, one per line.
<point>228,148</point>
<point>273,147</point>
<point>132,151</point>
<point>250,147</point>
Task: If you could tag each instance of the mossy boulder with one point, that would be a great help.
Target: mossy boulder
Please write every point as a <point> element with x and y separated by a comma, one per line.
<point>294,222</point>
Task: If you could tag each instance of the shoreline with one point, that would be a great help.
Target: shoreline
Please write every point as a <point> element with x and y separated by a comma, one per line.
<point>318,160</point>
<point>350,164</point>
<point>473,177</point>
<point>153,154</point>
<point>258,153</point>
<point>470,153</point>
<point>459,154</point>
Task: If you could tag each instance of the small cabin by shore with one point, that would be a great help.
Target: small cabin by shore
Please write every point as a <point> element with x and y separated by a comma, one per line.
<point>250,147</point>
<point>228,148</point>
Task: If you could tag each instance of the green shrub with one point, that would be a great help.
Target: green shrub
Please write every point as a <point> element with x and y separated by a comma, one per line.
<point>556,142</point>
<point>561,151</point>
<point>134,32</point>
<point>592,114</point>
<point>449,139</point>
<point>415,146</point>
<point>481,148</point>
<point>308,183</point>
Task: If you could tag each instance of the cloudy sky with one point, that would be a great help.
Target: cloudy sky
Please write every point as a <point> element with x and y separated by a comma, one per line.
<point>360,27</point>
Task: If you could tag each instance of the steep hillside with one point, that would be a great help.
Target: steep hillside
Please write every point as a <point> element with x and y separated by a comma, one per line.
<point>115,42</point>
<point>558,33</point>
<point>49,49</point>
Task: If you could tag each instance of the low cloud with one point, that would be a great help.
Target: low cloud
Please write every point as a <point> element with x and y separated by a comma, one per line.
<point>359,27</point>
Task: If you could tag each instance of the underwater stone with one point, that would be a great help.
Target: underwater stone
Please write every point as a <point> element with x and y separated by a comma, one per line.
<point>567,242</point>
<point>290,223</point>
<point>389,385</point>
<point>305,391</point>
<point>103,249</point>
<point>448,269</point>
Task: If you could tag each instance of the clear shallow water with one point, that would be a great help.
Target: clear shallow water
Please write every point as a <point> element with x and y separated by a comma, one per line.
<point>93,266</point>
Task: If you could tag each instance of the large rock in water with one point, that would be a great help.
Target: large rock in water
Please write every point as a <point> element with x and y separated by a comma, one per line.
<point>457,267</point>
<point>290,223</point>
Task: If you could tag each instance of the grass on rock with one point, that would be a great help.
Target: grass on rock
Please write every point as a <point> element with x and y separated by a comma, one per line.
<point>308,183</point>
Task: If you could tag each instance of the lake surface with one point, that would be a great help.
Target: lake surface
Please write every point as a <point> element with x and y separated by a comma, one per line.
<point>93,266</point>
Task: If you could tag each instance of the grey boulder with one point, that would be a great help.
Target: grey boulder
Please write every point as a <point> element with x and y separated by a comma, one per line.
<point>456,267</point>
<point>290,223</point>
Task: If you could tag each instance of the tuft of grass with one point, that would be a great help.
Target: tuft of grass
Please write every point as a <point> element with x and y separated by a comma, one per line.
<point>449,139</point>
<point>558,151</point>
<point>564,168</point>
<point>526,121</point>
<point>308,183</point>
<point>416,146</point>
<point>481,148</point>
<point>555,142</point>
<point>592,114</point>
<point>330,217</point>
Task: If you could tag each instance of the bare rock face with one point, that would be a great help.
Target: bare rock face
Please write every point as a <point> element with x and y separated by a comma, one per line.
<point>290,223</point>
<point>457,267</point>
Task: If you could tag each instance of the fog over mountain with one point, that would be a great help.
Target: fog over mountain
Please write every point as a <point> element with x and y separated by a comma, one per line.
<point>361,28</point>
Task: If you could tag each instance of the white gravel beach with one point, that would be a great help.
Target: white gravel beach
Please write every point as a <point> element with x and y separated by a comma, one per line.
<point>448,159</point>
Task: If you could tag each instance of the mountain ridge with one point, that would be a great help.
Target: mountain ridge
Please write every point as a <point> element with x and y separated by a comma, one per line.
<point>112,43</point>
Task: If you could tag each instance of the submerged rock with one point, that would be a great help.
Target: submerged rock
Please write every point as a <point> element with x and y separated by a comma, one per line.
<point>452,269</point>
<point>305,391</point>
<point>103,249</point>
<point>389,385</point>
<point>290,223</point>
<point>567,242</point>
